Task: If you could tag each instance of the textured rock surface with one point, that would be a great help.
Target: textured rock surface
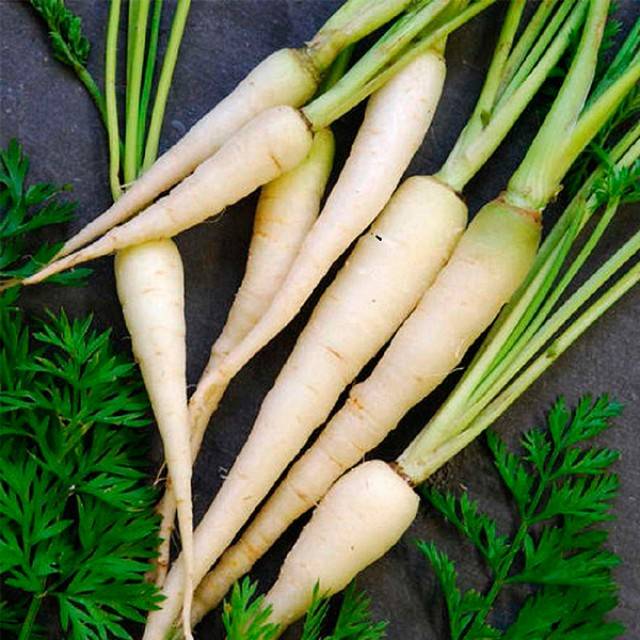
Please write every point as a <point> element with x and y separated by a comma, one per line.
<point>46,109</point>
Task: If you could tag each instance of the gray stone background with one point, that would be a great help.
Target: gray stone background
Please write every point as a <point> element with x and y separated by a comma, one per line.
<point>47,110</point>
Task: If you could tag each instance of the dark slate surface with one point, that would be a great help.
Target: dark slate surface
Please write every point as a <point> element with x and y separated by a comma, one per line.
<point>48,111</point>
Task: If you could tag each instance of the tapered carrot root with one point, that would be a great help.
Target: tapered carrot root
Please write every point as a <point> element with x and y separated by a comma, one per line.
<point>271,144</point>
<point>380,284</point>
<point>150,276</point>
<point>286,209</point>
<point>364,514</point>
<point>166,509</point>
<point>286,77</point>
<point>384,277</point>
<point>396,120</point>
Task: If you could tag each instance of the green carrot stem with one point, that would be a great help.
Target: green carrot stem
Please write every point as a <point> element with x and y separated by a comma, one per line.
<point>537,178</point>
<point>492,82</point>
<point>529,335</point>
<point>599,112</point>
<point>150,65</point>
<point>321,110</point>
<point>93,90</point>
<point>515,76</point>
<point>132,11</point>
<point>484,106</point>
<point>445,451</point>
<point>111,99</point>
<point>529,37</point>
<point>336,70</point>
<point>164,83</point>
<point>26,630</point>
<point>351,22</point>
<point>388,56</point>
<point>138,14</point>
<point>480,138</point>
<point>630,46</point>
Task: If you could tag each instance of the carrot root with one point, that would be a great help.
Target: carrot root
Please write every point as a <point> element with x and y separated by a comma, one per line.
<point>364,514</point>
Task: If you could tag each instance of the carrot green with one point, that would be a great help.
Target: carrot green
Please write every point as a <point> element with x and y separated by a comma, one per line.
<point>562,493</point>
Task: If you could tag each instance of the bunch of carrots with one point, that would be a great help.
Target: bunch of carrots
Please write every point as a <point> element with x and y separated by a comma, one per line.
<point>421,279</point>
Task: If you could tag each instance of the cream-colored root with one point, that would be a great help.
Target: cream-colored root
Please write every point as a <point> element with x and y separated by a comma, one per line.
<point>391,267</point>
<point>286,77</point>
<point>364,514</point>
<point>150,276</point>
<point>377,288</point>
<point>498,251</point>
<point>286,209</point>
<point>274,142</point>
<point>396,120</point>
<point>166,509</point>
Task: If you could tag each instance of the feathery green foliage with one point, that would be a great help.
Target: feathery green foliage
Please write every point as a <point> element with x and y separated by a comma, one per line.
<point>246,618</point>
<point>77,526</point>
<point>354,618</point>
<point>562,491</point>
<point>69,44</point>
<point>25,209</point>
<point>628,111</point>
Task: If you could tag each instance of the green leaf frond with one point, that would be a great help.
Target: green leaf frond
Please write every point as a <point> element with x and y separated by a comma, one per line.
<point>316,616</point>
<point>354,618</point>
<point>575,614</point>
<point>465,516</point>
<point>25,209</point>
<point>245,616</point>
<point>461,607</point>
<point>563,491</point>
<point>77,522</point>
<point>69,44</point>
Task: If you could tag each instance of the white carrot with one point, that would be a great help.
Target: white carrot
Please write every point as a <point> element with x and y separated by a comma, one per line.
<point>286,210</point>
<point>360,519</point>
<point>150,276</point>
<point>286,77</point>
<point>394,125</point>
<point>271,144</point>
